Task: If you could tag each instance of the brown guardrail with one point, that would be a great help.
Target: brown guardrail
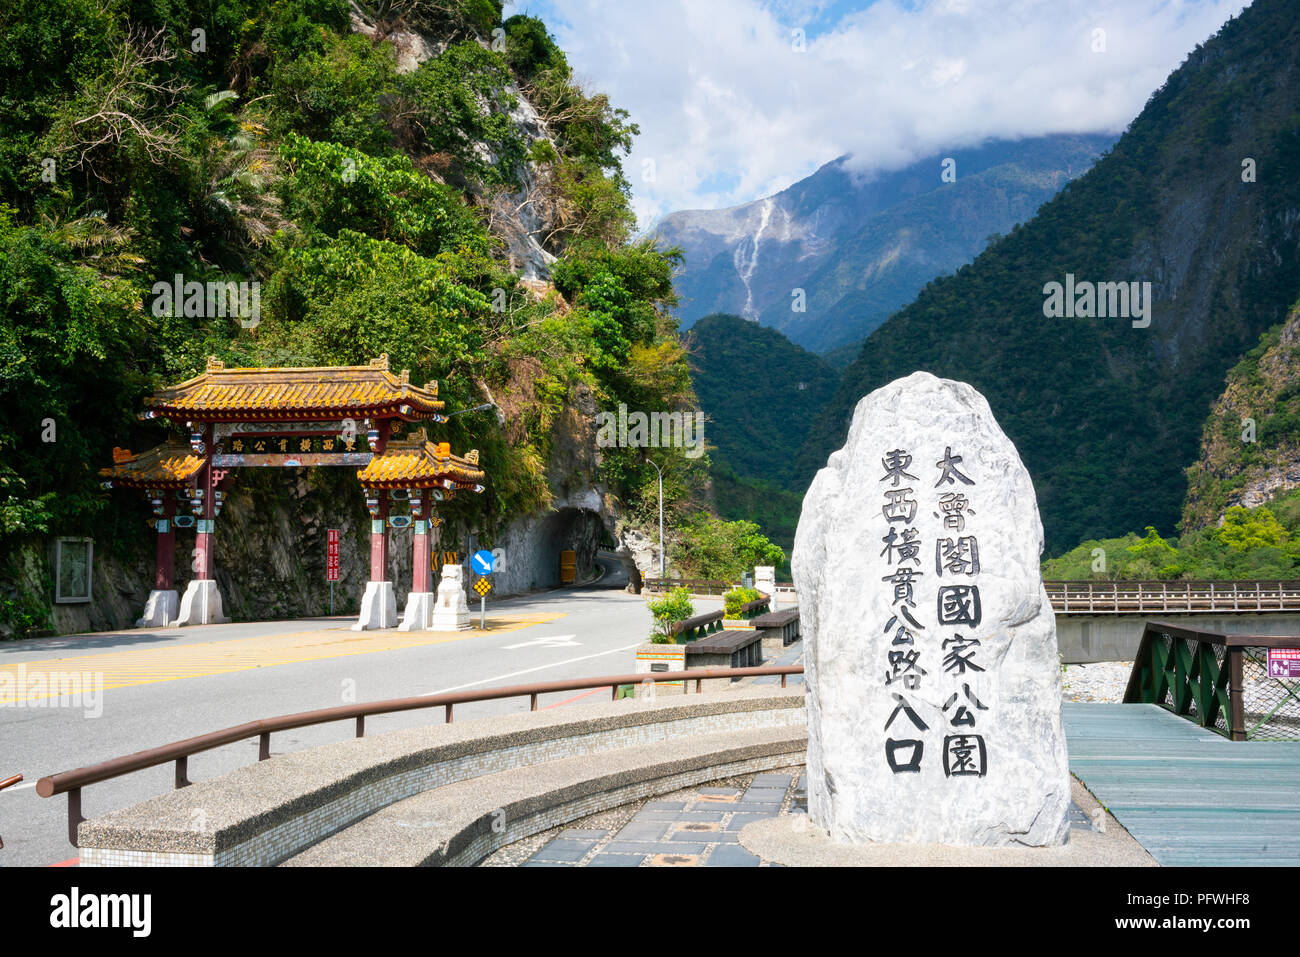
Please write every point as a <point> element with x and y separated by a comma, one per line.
<point>7,782</point>
<point>1220,681</point>
<point>71,782</point>
<point>1183,597</point>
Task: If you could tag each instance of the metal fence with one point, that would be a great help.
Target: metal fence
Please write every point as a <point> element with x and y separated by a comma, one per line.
<point>1219,681</point>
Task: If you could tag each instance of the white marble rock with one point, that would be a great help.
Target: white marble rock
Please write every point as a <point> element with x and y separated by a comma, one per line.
<point>1023,796</point>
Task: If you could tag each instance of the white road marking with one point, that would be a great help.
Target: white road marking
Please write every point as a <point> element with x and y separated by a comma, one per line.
<point>515,674</point>
<point>550,641</point>
<point>19,787</point>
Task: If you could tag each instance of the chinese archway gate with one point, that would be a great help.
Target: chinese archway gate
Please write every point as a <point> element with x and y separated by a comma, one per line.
<point>294,417</point>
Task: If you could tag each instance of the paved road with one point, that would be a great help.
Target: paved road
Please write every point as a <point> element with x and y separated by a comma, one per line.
<point>165,685</point>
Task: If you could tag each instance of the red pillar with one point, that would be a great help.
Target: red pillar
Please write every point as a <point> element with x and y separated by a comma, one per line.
<point>422,573</point>
<point>164,578</point>
<point>379,540</point>
<point>207,524</point>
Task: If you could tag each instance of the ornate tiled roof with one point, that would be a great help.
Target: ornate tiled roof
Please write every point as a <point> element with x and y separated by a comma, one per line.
<point>169,466</point>
<point>310,394</point>
<point>415,462</point>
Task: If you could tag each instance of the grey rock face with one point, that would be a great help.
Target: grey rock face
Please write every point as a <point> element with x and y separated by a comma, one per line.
<point>934,687</point>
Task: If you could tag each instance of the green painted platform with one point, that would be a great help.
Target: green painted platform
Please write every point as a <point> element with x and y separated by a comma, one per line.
<point>1190,796</point>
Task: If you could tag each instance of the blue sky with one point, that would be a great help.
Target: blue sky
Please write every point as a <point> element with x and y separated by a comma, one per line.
<point>737,99</point>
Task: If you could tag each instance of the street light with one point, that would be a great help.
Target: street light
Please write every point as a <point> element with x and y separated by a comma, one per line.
<point>661,516</point>
<point>477,408</point>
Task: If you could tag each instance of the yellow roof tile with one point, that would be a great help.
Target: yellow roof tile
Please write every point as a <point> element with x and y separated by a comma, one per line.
<point>169,465</point>
<point>415,462</point>
<point>221,394</point>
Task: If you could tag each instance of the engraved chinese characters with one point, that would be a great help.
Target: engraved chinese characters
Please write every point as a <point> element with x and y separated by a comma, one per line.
<point>964,751</point>
<point>933,681</point>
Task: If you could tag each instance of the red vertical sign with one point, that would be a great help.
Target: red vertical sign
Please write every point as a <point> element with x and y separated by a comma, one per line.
<point>332,556</point>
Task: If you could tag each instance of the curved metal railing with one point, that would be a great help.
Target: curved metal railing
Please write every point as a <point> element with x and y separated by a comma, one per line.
<point>71,782</point>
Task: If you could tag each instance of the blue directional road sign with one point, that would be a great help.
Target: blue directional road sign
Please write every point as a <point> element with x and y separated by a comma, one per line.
<point>482,562</point>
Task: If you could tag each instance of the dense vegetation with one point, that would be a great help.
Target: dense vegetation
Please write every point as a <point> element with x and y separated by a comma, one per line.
<point>263,140</point>
<point>1261,542</point>
<point>711,548</point>
<point>1107,416</point>
<point>761,395</point>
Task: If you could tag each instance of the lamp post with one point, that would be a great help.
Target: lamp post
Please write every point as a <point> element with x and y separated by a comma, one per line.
<point>661,516</point>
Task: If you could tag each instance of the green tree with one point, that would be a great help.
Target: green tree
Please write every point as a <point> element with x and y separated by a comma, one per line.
<point>1244,529</point>
<point>713,549</point>
<point>330,187</point>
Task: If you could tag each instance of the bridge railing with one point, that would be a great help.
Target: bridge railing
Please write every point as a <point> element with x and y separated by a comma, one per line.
<point>1164,597</point>
<point>1221,682</point>
<point>706,586</point>
<point>71,782</point>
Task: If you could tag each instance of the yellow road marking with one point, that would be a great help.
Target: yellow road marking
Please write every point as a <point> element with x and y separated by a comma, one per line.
<point>141,666</point>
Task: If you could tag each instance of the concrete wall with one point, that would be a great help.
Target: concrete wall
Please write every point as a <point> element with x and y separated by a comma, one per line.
<point>1085,638</point>
<point>532,546</point>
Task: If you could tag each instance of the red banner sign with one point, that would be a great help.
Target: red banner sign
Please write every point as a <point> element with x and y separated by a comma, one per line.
<point>332,555</point>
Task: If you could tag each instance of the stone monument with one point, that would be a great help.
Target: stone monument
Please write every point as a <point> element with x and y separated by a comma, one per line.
<point>934,686</point>
<point>452,611</point>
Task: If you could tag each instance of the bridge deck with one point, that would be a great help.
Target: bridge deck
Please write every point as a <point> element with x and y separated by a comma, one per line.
<point>1188,795</point>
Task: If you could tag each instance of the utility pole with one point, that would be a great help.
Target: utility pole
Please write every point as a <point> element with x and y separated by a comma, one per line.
<point>661,516</point>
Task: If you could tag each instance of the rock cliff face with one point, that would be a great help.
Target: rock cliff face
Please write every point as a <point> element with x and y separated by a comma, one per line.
<point>518,218</point>
<point>1250,448</point>
<point>860,247</point>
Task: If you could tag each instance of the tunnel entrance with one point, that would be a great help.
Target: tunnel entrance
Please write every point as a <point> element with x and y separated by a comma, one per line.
<point>568,541</point>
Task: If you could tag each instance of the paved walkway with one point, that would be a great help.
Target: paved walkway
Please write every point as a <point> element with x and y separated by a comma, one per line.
<point>1190,796</point>
<point>696,827</point>
<point>693,828</point>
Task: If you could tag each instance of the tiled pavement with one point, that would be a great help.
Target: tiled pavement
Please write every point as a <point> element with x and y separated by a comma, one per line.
<point>694,828</point>
<point>698,827</point>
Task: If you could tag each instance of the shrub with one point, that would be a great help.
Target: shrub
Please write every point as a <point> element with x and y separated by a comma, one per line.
<point>736,598</point>
<point>667,611</point>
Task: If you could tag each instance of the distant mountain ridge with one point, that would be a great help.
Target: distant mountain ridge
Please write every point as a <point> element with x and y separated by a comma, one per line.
<point>1200,197</point>
<point>861,248</point>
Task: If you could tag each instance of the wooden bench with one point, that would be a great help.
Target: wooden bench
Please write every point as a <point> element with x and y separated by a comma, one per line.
<point>732,649</point>
<point>778,628</point>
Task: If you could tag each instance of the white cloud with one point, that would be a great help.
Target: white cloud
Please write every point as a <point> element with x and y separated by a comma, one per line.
<point>729,111</point>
